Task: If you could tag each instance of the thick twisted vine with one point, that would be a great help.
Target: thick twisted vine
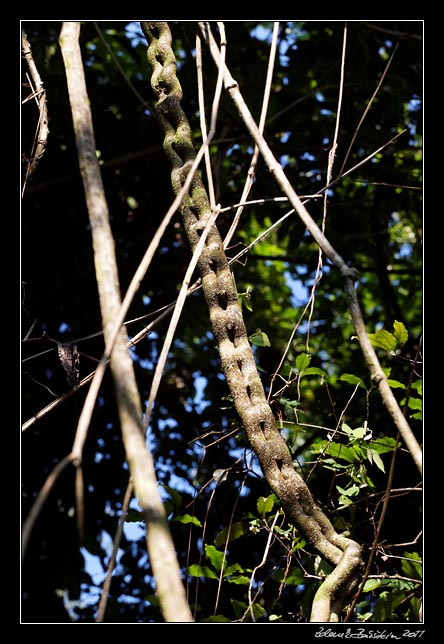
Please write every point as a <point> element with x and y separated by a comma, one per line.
<point>235,351</point>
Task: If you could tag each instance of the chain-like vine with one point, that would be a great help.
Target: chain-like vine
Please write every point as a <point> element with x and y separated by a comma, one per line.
<point>237,358</point>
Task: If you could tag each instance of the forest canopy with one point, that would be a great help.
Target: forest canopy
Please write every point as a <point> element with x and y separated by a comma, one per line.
<point>338,109</point>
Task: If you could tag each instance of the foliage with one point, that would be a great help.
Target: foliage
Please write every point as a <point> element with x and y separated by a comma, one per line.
<point>240,559</point>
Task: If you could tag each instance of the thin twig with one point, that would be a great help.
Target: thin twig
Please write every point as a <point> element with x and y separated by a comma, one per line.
<point>366,111</point>
<point>203,124</point>
<point>331,158</point>
<point>262,563</point>
<point>251,170</point>
<point>80,503</point>
<point>392,32</point>
<point>229,526</point>
<point>39,92</point>
<point>113,558</point>
<point>175,320</point>
<point>140,98</point>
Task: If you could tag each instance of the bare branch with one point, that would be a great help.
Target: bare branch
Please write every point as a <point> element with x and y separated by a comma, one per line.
<point>159,542</point>
<point>251,170</point>
<point>367,109</point>
<point>39,93</point>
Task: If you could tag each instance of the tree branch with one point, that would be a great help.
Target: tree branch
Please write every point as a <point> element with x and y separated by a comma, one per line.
<point>161,549</point>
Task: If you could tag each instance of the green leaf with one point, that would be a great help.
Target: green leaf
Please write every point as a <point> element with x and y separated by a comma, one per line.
<point>201,571</point>
<point>260,339</point>
<point>390,341</point>
<point>302,361</point>
<point>351,491</point>
<point>401,334</point>
<point>299,543</point>
<point>371,584</point>
<point>235,531</point>
<point>359,432</point>
<point>133,516</point>
<point>394,384</point>
<point>289,403</point>
<point>321,566</point>
<point>245,298</point>
<point>374,457</point>
<point>216,557</point>
<point>349,454</point>
<point>387,604</point>
<point>187,518</point>
<point>265,505</point>
<point>353,380</point>
<point>331,464</point>
<point>315,371</point>
<point>383,339</point>
<point>413,403</point>
<point>361,476</point>
<point>382,445</point>
<point>411,568</point>
<point>241,581</point>
<point>283,532</point>
<point>229,570</point>
<point>345,428</point>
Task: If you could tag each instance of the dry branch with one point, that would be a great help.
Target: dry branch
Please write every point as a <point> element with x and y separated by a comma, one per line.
<point>39,93</point>
<point>159,542</point>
